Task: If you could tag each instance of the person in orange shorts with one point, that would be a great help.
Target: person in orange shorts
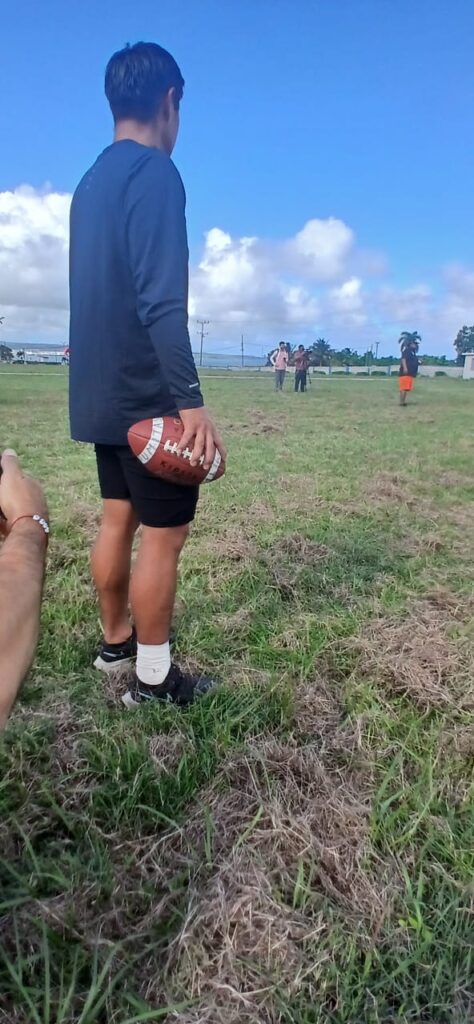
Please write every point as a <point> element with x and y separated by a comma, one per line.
<point>408,370</point>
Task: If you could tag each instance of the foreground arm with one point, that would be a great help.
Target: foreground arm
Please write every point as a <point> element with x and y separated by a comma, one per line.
<point>22,560</point>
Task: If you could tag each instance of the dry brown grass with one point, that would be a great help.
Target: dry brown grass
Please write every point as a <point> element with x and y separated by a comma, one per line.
<point>289,557</point>
<point>259,511</point>
<point>257,422</point>
<point>451,478</point>
<point>422,655</point>
<point>275,846</point>
<point>234,623</point>
<point>390,487</point>
<point>87,517</point>
<point>285,827</point>
<point>233,543</point>
<point>299,549</point>
<point>168,749</point>
<point>422,544</point>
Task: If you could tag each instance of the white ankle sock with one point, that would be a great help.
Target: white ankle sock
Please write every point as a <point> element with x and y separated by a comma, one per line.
<point>153,663</point>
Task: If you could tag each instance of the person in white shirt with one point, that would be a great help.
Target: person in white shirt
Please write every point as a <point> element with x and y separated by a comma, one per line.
<point>279,361</point>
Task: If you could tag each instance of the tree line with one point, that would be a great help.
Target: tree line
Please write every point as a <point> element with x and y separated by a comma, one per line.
<point>321,352</point>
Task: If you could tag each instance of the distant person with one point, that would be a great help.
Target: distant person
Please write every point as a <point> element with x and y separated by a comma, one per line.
<point>301,368</point>
<point>24,524</point>
<point>408,370</point>
<point>131,359</point>
<point>279,361</point>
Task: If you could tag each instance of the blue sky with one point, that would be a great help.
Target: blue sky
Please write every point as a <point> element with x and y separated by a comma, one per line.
<point>358,110</point>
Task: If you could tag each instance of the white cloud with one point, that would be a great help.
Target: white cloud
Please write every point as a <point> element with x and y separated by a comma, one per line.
<point>347,302</point>
<point>319,280</point>
<point>33,251</point>
<point>321,248</point>
<point>400,305</point>
<point>458,307</point>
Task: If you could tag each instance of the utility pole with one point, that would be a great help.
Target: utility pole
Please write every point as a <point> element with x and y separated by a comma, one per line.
<point>242,349</point>
<point>377,343</point>
<point>202,334</point>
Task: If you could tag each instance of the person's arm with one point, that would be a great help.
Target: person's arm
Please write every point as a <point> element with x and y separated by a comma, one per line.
<point>404,365</point>
<point>158,256</point>
<point>22,561</point>
<point>273,358</point>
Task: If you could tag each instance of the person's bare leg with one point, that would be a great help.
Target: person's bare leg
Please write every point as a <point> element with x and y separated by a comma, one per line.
<point>152,592</point>
<point>403,397</point>
<point>110,563</point>
<point>153,583</point>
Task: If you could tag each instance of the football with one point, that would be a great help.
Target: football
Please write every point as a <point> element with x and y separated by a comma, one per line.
<point>155,443</point>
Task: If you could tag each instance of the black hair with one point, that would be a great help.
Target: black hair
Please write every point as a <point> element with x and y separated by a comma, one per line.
<point>137,78</point>
<point>301,346</point>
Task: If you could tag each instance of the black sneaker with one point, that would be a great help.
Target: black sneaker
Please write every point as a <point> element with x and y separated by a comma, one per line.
<point>113,656</point>
<point>178,688</point>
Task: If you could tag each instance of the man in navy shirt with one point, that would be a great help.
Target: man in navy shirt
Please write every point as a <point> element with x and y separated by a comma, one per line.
<point>408,370</point>
<point>131,358</point>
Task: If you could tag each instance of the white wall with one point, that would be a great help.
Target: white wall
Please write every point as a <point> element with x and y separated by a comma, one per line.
<point>428,370</point>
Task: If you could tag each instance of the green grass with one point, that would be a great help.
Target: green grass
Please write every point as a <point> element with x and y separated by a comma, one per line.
<point>300,847</point>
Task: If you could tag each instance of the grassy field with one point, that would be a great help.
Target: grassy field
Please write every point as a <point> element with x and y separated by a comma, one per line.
<point>299,847</point>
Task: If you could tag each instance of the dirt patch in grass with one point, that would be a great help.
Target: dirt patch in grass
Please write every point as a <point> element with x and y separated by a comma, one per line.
<point>288,558</point>
<point>234,544</point>
<point>299,493</point>
<point>390,487</point>
<point>61,555</point>
<point>259,511</point>
<point>284,562</point>
<point>258,422</point>
<point>419,656</point>
<point>461,516</point>
<point>446,600</point>
<point>87,517</point>
<point>419,544</point>
<point>301,549</point>
<point>451,478</point>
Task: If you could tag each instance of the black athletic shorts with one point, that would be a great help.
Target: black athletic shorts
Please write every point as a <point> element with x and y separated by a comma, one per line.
<point>155,502</point>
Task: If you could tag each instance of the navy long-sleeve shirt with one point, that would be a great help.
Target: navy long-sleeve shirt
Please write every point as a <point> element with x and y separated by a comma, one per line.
<point>130,353</point>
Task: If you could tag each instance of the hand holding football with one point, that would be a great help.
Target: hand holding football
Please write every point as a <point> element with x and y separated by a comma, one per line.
<point>156,442</point>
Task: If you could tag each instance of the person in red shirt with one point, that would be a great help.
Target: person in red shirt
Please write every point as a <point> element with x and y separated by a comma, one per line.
<point>301,368</point>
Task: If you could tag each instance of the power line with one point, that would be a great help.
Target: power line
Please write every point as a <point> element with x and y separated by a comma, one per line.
<point>202,334</point>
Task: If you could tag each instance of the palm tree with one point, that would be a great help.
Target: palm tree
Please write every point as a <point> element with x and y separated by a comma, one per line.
<point>320,352</point>
<point>346,356</point>
<point>409,338</point>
